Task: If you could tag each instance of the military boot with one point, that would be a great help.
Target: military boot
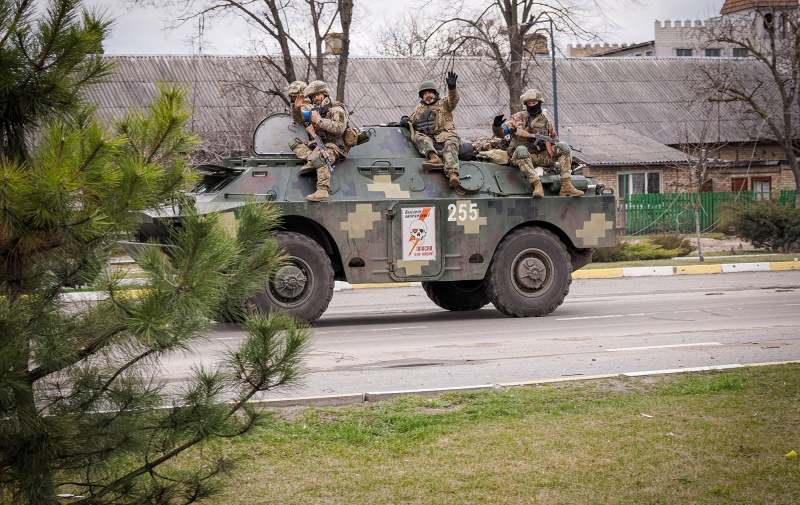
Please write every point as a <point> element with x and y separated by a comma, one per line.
<point>453,178</point>
<point>538,190</point>
<point>308,168</point>
<point>434,161</point>
<point>567,189</point>
<point>320,196</point>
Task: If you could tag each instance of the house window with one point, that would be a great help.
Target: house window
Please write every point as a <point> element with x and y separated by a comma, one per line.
<point>739,184</point>
<point>707,186</point>
<point>740,52</point>
<point>762,187</point>
<point>683,52</point>
<point>712,53</point>
<point>648,53</point>
<point>639,183</point>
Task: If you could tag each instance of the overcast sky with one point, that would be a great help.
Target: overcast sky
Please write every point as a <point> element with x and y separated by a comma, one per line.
<point>141,31</point>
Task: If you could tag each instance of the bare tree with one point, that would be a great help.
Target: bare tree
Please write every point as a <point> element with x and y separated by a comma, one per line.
<point>296,31</point>
<point>696,169</point>
<point>507,31</point>
<point>771,36</point>
<point>410,35</point>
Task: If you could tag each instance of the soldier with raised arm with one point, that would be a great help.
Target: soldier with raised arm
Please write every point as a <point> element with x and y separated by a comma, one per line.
<point>527,152</point>
<point>434,130</point>
<point>327,120</point>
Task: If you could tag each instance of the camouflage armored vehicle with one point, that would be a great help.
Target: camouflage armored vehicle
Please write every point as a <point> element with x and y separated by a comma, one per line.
<point>388,220</point>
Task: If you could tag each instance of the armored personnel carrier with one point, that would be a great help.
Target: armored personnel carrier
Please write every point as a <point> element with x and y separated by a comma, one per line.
<point>388,220</point>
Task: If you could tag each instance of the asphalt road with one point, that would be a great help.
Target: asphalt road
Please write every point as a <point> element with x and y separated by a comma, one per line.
<point>388,339</point>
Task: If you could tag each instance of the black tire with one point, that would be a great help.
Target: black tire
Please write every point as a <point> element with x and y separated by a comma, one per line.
<point>457,296</point>
<point>530,273</point>
<point>304,287</point>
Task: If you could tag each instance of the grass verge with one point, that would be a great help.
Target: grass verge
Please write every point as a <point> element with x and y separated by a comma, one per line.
<point>713,437</point>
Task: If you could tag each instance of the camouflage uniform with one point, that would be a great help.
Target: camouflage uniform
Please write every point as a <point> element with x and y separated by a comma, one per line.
<point>527,154</point>
<point>294,90</point>
<point>330,129</point>
<point>433,124</point>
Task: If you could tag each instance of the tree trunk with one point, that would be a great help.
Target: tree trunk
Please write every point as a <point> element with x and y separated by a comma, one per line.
<point>516,50</point>
<point>697,225</point>
<point>283,41</point>
<point>345,17</point>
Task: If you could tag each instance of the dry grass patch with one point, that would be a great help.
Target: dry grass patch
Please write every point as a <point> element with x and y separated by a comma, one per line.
<point>715,437</point>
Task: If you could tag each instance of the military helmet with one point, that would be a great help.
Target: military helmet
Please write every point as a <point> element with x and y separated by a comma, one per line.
<point>426,86</point>
<point>315,87</point>
<point>296,88</point>
<point>532,94</point>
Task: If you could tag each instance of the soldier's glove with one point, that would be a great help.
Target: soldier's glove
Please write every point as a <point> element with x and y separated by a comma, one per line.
<point>498,120</point>
<point>451,80</point>
<point>404,122</point>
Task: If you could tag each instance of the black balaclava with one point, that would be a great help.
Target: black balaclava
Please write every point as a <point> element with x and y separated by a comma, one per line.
<point>534,110</point>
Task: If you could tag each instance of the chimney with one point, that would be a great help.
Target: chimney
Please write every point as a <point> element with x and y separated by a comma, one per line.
<point>333,43</point>
<point>536,44</point>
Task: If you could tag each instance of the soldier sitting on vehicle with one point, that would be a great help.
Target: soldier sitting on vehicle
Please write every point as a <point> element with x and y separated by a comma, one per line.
<point>326,122</point>
<point>527,152</point>
<point>433,128</point>
<point>297,99</point>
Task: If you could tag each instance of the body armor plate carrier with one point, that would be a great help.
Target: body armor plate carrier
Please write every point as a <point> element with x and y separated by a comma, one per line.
<point>426,122</point>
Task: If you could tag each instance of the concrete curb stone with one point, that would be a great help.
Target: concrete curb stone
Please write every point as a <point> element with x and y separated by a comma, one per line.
<point>353,399</point>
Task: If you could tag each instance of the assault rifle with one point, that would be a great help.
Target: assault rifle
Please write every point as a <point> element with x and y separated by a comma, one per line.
<point>544,138</point>
<point>317,140</point>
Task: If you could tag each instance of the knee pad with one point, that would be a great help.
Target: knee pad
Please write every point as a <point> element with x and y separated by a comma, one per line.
<point>561,148</point>
<point>294,143</point>
<point>318,161</point>
<point>522,153</point>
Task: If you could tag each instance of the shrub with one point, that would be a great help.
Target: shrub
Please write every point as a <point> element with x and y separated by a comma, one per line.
<point>630,251</point>
<point>673,241</point>
<point>767,224</point>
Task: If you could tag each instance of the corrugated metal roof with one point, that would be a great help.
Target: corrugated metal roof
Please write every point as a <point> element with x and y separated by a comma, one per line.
<point>608,144</point>
<point>650,97</point>
<point>739,5</point>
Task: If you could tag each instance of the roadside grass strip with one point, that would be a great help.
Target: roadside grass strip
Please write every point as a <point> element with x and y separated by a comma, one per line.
<point>719,436</point>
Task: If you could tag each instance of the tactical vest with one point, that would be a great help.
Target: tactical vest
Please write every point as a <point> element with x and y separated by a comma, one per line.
<point>540,125</point>
<point>327,136</point>
<point>426,122</point>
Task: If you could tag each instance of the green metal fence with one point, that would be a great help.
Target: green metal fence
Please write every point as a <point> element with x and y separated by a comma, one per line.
<point>674,212</point>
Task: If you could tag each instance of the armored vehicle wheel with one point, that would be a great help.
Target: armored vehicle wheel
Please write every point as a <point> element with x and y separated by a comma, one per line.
<point>303,288</point>
<point>457,295</point>
<point>530,273</point>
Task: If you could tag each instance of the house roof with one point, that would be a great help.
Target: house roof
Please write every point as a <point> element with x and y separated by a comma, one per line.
<point>650,96</point>
<point>624,48</point>
<point>610,144</point>
<point>731,6</point>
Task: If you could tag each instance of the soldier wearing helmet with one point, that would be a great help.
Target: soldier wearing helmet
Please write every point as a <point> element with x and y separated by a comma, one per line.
<point>325,118</point>
<point>295,90</point>
<point>434,129</point>
<point>528,154</point>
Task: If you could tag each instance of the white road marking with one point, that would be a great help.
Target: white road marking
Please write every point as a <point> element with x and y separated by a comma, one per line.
<point>602,317</point>
<point>682,370</point>
<point>372,330</point>
<point>662,346</point>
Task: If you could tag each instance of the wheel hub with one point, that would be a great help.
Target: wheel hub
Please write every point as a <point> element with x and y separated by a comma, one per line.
<point>290,281</point>
<point>530,273</point>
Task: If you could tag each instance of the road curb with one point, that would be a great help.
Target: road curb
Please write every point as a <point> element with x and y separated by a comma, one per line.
<point>356,398</point>
<point>610,273</point>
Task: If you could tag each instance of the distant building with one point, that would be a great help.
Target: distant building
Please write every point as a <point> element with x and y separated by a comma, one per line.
<point>684,38</point>
<point>627,118</point>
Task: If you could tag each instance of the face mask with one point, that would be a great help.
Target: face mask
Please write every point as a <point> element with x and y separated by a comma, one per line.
<point>534,110</point>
